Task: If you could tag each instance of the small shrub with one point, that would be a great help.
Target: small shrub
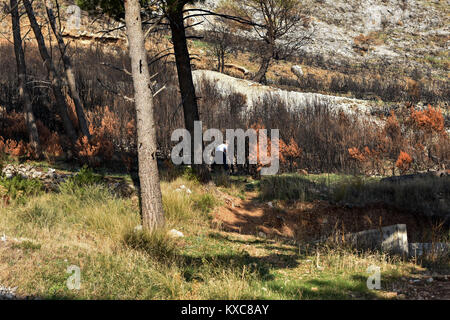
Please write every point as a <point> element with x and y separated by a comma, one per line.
<point>189,174</point>
<point>403,162</point>
<point>86,177</point>
<point>18,188</point>
<point>205,203</point>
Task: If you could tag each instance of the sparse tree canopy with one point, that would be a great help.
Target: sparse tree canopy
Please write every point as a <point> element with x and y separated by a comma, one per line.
<point>282,25</point>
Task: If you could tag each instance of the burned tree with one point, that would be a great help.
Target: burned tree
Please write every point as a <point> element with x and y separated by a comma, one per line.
<point>281,25</point>
<point>24,94</point>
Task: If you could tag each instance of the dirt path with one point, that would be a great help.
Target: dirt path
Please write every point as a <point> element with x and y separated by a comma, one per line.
<point>306,221</point>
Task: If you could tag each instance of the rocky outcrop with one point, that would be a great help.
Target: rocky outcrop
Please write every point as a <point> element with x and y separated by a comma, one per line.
<point>404,32</point>
<point>49,177</point>
<point>255,92</point>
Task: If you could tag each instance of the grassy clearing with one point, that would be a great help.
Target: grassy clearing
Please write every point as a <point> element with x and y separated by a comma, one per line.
<point>85,225</point>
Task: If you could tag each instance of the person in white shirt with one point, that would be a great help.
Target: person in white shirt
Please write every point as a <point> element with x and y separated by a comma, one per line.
<point>221,155</point>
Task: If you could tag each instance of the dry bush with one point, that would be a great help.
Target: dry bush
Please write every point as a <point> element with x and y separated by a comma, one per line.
<point>416,141</point>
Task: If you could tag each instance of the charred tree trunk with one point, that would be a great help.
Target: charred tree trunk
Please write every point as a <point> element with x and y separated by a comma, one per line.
<point>69,72</point>
<point>53,75</point>
<point>265,63</point>
<point>183,63</point>
<point>150,191</point>
<point>186,83</point>
<point>24,94</point>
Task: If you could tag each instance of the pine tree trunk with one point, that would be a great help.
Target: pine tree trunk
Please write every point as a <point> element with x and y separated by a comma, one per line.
<point>53,75</point>
<point>150,191</point>
<point>183,63</point>
<point>69,73</point>
<point>24,94</point>
<point>186,83</point>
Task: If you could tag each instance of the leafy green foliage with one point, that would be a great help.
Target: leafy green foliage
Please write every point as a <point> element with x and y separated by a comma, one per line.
<point>18,188</point>
<point>205,203</point>
<point>189,174</point>
<point>86,177</point>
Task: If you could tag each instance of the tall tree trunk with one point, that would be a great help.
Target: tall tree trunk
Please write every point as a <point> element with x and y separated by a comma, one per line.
<point>53,75</point>
<point>69,73</point>
<point>183,63</point>
<point>186,83</point>
<point>22,79</point>
<point>150,190</point>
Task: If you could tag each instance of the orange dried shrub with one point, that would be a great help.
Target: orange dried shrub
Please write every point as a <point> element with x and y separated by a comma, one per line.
<point>428,137</point>
<point>403,162</point>
<point>51,143</point>
<point>131,128</point>
<point>264,158</point>
<point>369,160</point>
<point>429,120</point>
<point>290,153</point>
<point>104,131</point>
<point>96,150</point>
<point>356,154</point>
<point>15,148</point>
<point>53,146</point>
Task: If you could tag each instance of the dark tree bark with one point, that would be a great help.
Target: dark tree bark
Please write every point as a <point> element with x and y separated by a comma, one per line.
<point>53,75</point>
<point>24,94</point>
<point>261,74</point>
<point>69,72</point>
<point>183,62</point>
<point>150,191</point>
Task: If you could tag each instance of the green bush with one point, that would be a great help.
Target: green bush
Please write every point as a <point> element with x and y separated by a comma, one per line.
<point>189,174</point>
<point>76,184</point>
<point>205,203</point>
<point>18,188</point>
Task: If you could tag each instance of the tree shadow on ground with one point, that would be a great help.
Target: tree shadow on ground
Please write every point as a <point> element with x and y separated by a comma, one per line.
<point>268,244</point>
<point>236,263</point>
